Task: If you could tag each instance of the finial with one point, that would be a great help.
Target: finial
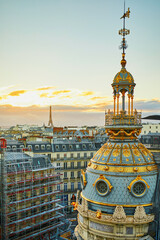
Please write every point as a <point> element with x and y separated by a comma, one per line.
<point>124,32</point>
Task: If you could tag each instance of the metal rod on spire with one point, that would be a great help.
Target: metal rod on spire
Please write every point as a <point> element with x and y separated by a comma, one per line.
<point>124,28</point>
<point>124,32</point>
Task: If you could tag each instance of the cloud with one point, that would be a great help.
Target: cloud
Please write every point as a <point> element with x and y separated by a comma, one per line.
<point>44,88</point>
<point>87,93</point>
<point>91,114</point>
<point>44,95</point>
<point>17,93</point>
<point>97,98</point>
<point>62,116</point>
<point>148,105</point>
<point>60,92</point>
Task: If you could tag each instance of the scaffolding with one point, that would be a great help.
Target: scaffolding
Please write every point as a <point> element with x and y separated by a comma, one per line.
<point>30,203</point>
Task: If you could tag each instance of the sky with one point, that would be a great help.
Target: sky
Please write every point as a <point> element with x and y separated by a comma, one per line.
<point>65,53</point>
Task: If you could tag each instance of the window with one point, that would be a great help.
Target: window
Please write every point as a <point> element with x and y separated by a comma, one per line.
<point>14,148</point>
<point>48,147</point>
<point>58,156</point>
<point>8,147</point>
<point>58,188</point>
<point>58,177</point>
<point>34,193</point>
<point>29,147</point>
<point>102,187</point>
<point>91,154</point>
<point>71,155</point>
<point>84,146</point>
<point>65,174</point>
<point>36,147</point>
<point>57,147</point>
<point>79,186</point>
<point>70,147</point>
<point>120,229</point>
<point>72,174</point>
<point>42,191</point>
<point>42,147</point>
<point>78,155</point>
<point>49,189</point>
<point>21,146</point>
<point>129,230</point>
<point>85,164</point>
<point>72,186</point>
<point>63,147</point>
<point>65,156</point>
<point>58,165</point>
<point>79,164</point>
<point>78,174</point>
<point>65,187</point>
<point>139,188</point>
<point>65,165</point>
<point>77,146</point>
<point>72,165</point>
<point>85,155</point>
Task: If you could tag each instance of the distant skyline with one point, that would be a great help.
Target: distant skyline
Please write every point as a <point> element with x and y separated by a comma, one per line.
<point>65,54</point>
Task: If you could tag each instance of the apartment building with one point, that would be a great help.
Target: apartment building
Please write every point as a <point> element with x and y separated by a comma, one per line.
<point>29,202</point>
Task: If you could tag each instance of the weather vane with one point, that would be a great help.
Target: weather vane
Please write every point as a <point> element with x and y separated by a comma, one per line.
<point>124,32</point>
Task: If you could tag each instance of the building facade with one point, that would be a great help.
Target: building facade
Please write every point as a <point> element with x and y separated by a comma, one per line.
<point>29,203</point>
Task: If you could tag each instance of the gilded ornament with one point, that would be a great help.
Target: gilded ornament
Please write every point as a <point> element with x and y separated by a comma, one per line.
<point>84,177</point>
<point>98,214</point>
<point>126,151</point>
<point>120,169</point>
<point>135,151</point>
<point>101,177</point>
<point>116,151</point>
<point>149,168</point>
<point>107,151</point>
<point>89,164</point>
<point>137,179</point>
<point>114,205</point>
<point>106,168</point>
<point>95,166</point>
<point>135,169</point>
<point>128,168</point>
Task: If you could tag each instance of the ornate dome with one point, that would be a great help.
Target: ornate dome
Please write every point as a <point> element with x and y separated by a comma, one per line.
<point>123,153</point>
<point>123,76</point>
<point>121,172</point>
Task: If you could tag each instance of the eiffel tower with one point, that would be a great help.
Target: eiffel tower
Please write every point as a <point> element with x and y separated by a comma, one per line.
<point>50,123</point>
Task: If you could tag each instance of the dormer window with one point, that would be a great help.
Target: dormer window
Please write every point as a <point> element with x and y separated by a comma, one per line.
<point>64,147</point>
<point>36,147</point>
<point>42,147</point>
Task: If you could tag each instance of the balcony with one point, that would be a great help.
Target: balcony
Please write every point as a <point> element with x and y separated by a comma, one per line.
<point>122,118</point>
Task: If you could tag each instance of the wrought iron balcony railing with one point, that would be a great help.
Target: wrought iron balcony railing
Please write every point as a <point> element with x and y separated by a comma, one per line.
<point>122,118</point>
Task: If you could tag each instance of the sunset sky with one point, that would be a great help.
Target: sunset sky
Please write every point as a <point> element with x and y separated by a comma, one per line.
<point>65,53</point>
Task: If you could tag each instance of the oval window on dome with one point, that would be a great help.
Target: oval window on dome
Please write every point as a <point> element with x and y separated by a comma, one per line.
<point>138,189</point>
<point>102,187</point>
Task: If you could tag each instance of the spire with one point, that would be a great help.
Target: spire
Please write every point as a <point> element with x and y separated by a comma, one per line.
<point>124,32</point>
<point>50,123</point>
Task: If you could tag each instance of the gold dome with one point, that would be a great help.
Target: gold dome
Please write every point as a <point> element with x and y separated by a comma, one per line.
<point>123,77</point>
